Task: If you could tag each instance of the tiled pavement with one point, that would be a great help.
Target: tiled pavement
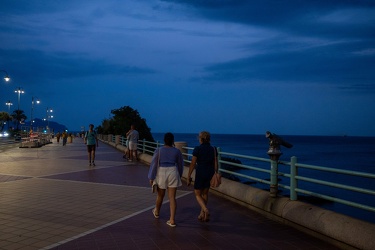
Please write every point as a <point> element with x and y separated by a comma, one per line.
<point>51,199</point>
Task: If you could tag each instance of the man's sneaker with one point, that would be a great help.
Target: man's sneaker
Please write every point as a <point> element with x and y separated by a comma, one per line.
<point>93,163</point>
<point>90,164</point>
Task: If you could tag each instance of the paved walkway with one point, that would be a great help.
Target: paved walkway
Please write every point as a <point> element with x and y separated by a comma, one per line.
<point>51,199</point>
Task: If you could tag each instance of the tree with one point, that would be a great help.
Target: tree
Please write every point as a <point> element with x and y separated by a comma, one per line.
<point>121,121</point>
<point>18,116</point>
<point>4,117</point>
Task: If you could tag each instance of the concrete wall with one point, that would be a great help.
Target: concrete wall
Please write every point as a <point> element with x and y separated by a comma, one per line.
<point>338,229</point>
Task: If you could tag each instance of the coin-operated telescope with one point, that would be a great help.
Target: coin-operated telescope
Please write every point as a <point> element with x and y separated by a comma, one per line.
<point>274,152</point>
<point>275,142</point>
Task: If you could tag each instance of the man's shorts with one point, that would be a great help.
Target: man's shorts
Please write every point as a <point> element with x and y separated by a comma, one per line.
<point>133,145</point>
<point>91,148</point>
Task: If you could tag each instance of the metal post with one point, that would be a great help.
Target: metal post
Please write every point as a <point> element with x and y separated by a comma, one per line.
<point>218,158</point>
<point>32,111</point>
<point>274,152</point>
<point>19,91</point>
<point>274,177</point>
<point>293,180</point>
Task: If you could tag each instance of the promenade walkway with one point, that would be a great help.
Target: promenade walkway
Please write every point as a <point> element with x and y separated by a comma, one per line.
<point>51,199</point>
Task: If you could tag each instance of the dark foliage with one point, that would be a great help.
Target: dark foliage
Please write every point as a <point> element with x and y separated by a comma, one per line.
<point>121,121</point>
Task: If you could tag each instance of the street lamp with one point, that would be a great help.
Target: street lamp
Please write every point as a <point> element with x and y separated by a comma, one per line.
<point>19,91</point>
<point>8,103</point>
<point>37,101</point>
<point>6,78</point>
<point>49,110</point>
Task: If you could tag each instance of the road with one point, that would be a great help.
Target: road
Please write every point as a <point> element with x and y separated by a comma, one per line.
<point>8,142</point>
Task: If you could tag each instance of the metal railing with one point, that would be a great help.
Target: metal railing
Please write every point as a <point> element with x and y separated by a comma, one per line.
<point>303,179</point>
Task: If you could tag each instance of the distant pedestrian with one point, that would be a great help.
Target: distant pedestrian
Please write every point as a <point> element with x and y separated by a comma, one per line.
<point>165,171</point>
<point>204,161</point>
<point>133,136</point>
<point>91,140</point>
<point>70,138</point>
<point>58,135</point>
<point>64,137</point>
<point>126,151</point>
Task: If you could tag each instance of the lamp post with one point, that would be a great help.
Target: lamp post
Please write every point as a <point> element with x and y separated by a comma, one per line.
<point>37,101</point>
<point>8,103</point>
<point>19,91</point>
<point>6,78</point>
<point>49,110</point>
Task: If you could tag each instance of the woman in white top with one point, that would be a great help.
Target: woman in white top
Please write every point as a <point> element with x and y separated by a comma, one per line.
<point>166,170</point>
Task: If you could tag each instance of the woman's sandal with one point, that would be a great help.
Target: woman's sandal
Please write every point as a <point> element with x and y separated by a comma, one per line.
<point>201,216</point>
<point>206,216</point>
<point>170,224</point>
<point>154,213</point>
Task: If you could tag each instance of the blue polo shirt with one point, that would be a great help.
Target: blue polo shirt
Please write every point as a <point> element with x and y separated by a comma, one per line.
<point>90,138</point>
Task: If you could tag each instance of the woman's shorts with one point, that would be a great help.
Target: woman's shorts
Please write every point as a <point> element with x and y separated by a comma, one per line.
<point>168,177</point>
<point>133,145</point>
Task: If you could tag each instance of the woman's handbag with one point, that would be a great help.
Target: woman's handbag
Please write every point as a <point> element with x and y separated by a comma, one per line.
<point>215,180</point>
<point>154,186</point>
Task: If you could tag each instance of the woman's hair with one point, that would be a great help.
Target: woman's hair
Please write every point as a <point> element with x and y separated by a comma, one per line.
<point>205,136</point>
<point>169,139</point>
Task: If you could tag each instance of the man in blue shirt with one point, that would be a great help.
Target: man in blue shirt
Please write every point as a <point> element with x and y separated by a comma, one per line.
<point>91,141</point>
<point>133,137</point>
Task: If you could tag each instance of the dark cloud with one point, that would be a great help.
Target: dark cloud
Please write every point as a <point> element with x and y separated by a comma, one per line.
<point>335,64</point>
<point>294,17</point>
<point>35,65</point>
<point>319,41</point>
<point>36,6</point>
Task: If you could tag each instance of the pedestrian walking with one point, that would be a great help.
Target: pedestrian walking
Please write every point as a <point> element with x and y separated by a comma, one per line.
<point>133,136</point>
<point>165,172</point>
<point>91,140</point>
<point>204,161</point>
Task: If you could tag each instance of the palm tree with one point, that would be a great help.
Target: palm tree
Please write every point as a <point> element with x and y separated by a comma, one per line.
<point>18,116</point>
<point>4,117</point>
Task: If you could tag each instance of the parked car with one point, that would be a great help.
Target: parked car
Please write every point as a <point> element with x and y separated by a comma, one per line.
<point>17,137</point>
<point>4,134</point>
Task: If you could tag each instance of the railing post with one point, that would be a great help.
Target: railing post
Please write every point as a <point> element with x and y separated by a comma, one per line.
<point>218,158</point>
<point>143,145</point>
<point>293,180</point>
<point>125,142</point>
<point>274,176</point>
<point>117,139</point>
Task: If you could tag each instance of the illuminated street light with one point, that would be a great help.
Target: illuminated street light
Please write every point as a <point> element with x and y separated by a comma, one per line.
<point>8,103</point>
<point>19,91</point>
<point>6,78</point>
<point>49,110</point>
<point>37,101</point>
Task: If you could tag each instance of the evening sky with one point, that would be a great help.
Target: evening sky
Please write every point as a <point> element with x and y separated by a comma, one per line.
<point>226,66</point>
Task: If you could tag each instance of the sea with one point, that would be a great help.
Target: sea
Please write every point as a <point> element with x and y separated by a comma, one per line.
<point>340,152</point>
